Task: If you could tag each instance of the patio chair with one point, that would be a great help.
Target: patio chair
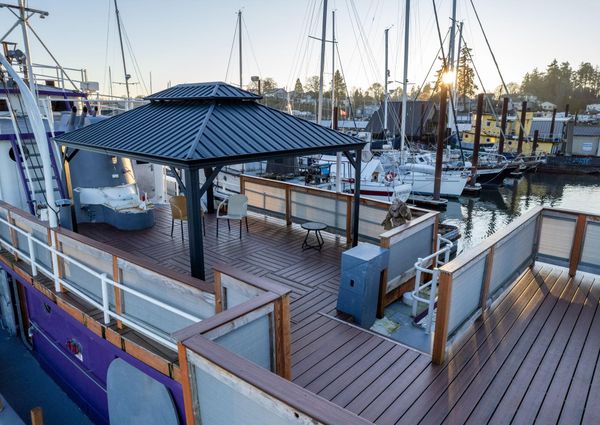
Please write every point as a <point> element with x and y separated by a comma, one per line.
<point>237,209</point>
<point>179,212</point>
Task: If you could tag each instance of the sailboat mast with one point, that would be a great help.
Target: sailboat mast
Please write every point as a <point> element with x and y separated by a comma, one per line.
<point>385,87</point>
<point>240,42</point>
<point>322,67</point>
<point>332,67</point>
<point>450,66</point>
<point>405,80</point>
<point>23,21</point>
<point>122,50</point>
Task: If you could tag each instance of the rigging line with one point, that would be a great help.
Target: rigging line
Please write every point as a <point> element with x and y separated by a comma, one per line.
<point>436,58</point>
<point>251,45</point>
<point>366,44</point>
<point>300,42</point>
<point>439,32</point>
<point>356,46</point>
<point>136,66</point>
<point>345,82</point>
<point>489,47</point>
<point>107,44</point>
<point>484,90</point>
<point>364,67</point>
<point>231,50</point>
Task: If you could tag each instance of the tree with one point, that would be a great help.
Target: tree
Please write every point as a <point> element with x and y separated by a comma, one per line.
<point>268,84</point>
<point>298,89</point>
<point>312,84</point>
<point>340,87</point>
<point>465,81</point>
<point>375,90</point>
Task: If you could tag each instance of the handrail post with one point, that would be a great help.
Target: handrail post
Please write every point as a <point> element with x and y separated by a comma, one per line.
<point>55,263</point>
<point>105,303</point>
<point>438,352</point>
<point>283,356</point>
<point>30,244</point>
<point>577,246</point>
<point>288,205</point>
<point>117,291</point>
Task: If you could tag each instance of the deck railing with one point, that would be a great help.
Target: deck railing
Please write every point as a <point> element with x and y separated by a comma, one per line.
<point>152,303</point>
<point>298,203</point>
<point>242,357</point>
<point>473,280</point>
<point>236,365</point>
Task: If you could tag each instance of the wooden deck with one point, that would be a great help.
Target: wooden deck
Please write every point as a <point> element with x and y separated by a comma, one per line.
<point>532,359</point>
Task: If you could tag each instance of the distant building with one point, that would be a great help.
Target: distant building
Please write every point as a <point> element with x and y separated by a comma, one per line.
<point>279,93</point>
<point>583,140</point>
<point>594,108</point>
<point>547,106</point>
<point>548,142</point>
<point>420,124</point>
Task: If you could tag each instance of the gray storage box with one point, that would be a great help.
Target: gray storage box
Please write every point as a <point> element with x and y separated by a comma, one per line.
<point>359,287</point>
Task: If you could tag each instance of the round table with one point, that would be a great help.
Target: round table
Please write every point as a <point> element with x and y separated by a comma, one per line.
<point>313,226</point>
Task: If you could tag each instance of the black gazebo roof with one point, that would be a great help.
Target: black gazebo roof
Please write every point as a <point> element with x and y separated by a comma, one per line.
<point>204,125</point>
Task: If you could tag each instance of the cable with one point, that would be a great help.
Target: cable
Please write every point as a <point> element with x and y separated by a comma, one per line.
<point>231,50</point>
<point>490,48</point>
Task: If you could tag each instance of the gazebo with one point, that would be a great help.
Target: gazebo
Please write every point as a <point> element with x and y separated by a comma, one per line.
<point>205,126</point>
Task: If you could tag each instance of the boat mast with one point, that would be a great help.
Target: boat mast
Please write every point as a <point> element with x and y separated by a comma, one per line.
<point>385,88</point>
<point>30,78</point>
<point>240,42</point>
<point>338,155</point>
<point>322,66</point>
<point>405,81</point>
<point>122,52</point>
<point>332,67</point>
<point>450,67</point>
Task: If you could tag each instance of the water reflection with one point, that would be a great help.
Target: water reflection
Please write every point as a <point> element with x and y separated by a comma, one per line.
<point>478,218</point>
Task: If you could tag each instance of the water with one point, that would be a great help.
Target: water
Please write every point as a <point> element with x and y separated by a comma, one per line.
<point>478,218</point>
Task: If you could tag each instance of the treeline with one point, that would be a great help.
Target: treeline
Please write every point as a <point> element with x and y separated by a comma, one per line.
<point>561,84</point>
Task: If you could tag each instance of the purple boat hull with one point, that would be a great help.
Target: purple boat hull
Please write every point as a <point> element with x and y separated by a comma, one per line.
<point>84,379</point>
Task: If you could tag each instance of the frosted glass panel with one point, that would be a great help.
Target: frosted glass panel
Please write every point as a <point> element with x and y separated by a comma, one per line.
<point>590,257</point>
<point>556,237</point>
<point>265,197</point>
<point>466,293</point>
<point>512,256</point>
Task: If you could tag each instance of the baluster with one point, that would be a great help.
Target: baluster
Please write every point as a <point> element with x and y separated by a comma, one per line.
<point>105,303</point>
<point>32,255</point>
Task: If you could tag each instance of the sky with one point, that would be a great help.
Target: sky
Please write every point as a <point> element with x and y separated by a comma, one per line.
<point>178,41</point>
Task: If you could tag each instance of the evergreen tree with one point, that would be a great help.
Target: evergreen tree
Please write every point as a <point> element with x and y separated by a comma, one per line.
<point>298,89</point>
<point>465,83</point>
<point>340,87</point>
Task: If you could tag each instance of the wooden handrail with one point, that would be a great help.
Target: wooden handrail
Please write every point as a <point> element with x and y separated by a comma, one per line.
<point>131,258</point>
<point>280,389</point>
<point>262,283</point>
<point>488,248</point>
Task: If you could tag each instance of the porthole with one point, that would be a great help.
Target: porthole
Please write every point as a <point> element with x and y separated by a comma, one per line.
<point>12,156</point>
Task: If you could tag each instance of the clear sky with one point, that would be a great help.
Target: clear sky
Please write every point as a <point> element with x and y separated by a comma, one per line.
<point>191,40</point>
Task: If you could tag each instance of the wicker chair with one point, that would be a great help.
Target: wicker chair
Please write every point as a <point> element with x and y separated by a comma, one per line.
<point>179,212</point>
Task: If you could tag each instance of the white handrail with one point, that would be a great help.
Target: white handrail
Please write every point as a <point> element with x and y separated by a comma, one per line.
<point>104,306</point>
<point>421,267</point>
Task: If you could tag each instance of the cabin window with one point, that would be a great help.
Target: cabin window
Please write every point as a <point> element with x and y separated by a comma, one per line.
<point>61,106</point>
<point>3,105</point>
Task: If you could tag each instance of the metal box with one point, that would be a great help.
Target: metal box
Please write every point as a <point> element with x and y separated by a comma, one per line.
<point>359,286</point>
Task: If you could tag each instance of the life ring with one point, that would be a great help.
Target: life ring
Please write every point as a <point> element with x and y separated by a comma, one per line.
<point>389,176</point>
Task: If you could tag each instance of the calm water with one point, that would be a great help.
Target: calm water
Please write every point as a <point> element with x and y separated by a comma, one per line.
<point>478,218</point>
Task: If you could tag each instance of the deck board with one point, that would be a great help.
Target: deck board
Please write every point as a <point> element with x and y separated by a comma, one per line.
<point>533,357</point>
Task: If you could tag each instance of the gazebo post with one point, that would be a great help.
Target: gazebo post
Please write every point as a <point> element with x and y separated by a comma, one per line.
<point>193,196</point>
<point>356,212</point>
<point>210,195</point>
